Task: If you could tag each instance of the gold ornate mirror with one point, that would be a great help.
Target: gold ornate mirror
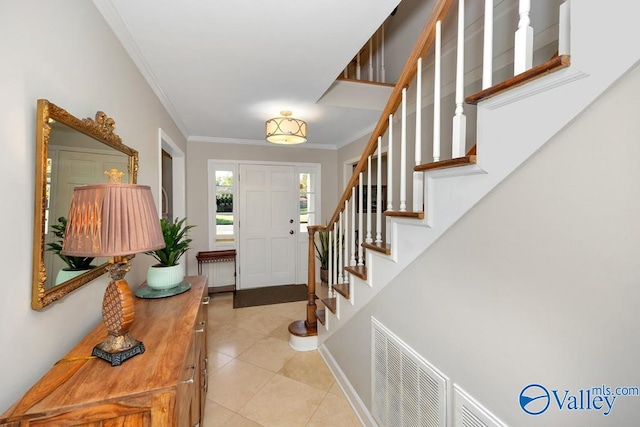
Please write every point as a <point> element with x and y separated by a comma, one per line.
<point>69,152</point>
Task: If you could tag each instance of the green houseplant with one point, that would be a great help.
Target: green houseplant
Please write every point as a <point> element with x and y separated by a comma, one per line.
<point>75,265</point>
<point>168,272</point>
<point>322,253</point>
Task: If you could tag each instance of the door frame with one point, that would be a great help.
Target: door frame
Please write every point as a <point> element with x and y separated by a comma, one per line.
<point>179,173</point>
<point>302,237</point>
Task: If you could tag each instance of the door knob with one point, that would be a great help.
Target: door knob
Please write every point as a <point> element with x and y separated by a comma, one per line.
<point>290,221</point>
<point>290,231</point>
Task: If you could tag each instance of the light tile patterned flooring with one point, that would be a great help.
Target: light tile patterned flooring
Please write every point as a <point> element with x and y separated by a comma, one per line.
<point>256,379</point>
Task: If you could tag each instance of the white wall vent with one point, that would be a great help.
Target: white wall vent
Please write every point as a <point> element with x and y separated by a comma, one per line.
<point>469,413</point>
<point>406,389</point>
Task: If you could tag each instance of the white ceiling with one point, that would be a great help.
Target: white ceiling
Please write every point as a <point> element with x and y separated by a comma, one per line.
<point>222,68</point>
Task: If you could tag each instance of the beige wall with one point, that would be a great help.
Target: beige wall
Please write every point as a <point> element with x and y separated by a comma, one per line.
<point>62,51</point>
<point>199,153</point>
<point>538,283</point>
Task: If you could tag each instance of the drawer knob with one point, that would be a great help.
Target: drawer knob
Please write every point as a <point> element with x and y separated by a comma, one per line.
<point>202,326</point>
<point>193,375</point>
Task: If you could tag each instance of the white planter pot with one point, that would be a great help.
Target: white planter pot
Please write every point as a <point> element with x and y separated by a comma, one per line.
<point>159,277</point>
<point>65,274</point>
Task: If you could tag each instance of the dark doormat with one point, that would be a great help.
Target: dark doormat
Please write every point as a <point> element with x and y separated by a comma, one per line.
<point>269,295</point>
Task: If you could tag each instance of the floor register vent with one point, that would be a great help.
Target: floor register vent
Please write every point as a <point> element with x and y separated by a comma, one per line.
<point>406,389</point>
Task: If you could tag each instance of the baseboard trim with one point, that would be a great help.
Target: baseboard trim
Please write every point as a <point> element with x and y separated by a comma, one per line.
<point>362,412</point>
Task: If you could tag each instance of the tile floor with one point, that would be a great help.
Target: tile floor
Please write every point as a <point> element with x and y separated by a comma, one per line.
<point>256,379</point>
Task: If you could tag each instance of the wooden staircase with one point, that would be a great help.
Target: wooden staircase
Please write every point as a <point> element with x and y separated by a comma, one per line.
<point>360,271</point>
<point>410,284</point>
<point>369,253</point>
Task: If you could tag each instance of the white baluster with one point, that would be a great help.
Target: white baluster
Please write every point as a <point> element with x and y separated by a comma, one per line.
<point>418,143</point>
<point>459,120</point>
<point>382,72</point>
<point>347,237</point>
<point>436,92</point>
<point>390,165</point>
<point>336,233</point>
<point>487,56</point>
<point>523,49</point>
<point>360,223</point>
<point>418,177</point>
<point>353,225</point>
<point>371,77</point>
<point>330,266</point>
<point>358,66</point>
<point>564,37</point>
<point>369,239</point>
<point>340,251</point>
<point>379,192</point>
<point>403,153</point>
<point>345,73</point>
<point>376,66</point>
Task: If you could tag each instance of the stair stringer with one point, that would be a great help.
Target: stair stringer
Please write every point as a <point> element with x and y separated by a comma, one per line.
<point>511,127</point>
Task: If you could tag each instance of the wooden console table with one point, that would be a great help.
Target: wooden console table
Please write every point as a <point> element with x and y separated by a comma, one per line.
<point>229,255</point>
<point>163,387</point>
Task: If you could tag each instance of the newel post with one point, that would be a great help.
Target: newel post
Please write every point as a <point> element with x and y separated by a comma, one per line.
<point>310,322</point>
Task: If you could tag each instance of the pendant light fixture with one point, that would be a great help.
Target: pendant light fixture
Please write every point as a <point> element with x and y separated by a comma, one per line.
<point>286,129</point>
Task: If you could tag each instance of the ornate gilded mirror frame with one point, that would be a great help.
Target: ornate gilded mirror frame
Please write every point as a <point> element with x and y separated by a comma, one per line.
<point>101,130</point>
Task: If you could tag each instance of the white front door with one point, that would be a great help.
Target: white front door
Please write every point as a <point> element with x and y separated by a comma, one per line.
<point>268,233</point>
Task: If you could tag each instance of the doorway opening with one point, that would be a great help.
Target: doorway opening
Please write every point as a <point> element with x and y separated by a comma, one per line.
<point>172,178</point>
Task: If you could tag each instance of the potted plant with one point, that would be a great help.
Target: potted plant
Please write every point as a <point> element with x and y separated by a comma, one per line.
<point>322,253</point>
<point>75,265</point>
<point>168,272</point>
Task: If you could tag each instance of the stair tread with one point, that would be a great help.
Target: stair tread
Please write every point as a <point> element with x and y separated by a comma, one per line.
<point>358,270</point>
<point>342,289</point>
<point>405,214</point>
<point>382,247</point>
<point>300,328</point>
<point>320,315</point>
<point>554,64</point>
<point>330,303</point>
<point>469,159</point>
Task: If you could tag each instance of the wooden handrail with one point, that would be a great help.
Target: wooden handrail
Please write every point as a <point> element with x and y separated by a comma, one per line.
<point>423,45</point>
<point>420,49</point>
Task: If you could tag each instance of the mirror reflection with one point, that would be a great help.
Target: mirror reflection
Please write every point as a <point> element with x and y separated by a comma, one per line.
<point>74,159</point>
<point>70,152</point>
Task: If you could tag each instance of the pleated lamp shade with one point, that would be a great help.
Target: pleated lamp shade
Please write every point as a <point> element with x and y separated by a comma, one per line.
<point>112,220</point>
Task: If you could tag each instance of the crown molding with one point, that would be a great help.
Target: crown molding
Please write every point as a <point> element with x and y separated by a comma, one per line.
<point>114,20</point>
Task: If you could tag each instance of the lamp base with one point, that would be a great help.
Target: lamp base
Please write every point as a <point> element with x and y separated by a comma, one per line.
<point>118,348</point>
<point>118,314</point>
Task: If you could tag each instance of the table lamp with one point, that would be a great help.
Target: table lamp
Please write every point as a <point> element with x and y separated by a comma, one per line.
<point>114,220</point>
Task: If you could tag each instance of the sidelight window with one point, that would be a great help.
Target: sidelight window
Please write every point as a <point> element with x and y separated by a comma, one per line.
<point>223,208</point>
<point>307,200</point>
